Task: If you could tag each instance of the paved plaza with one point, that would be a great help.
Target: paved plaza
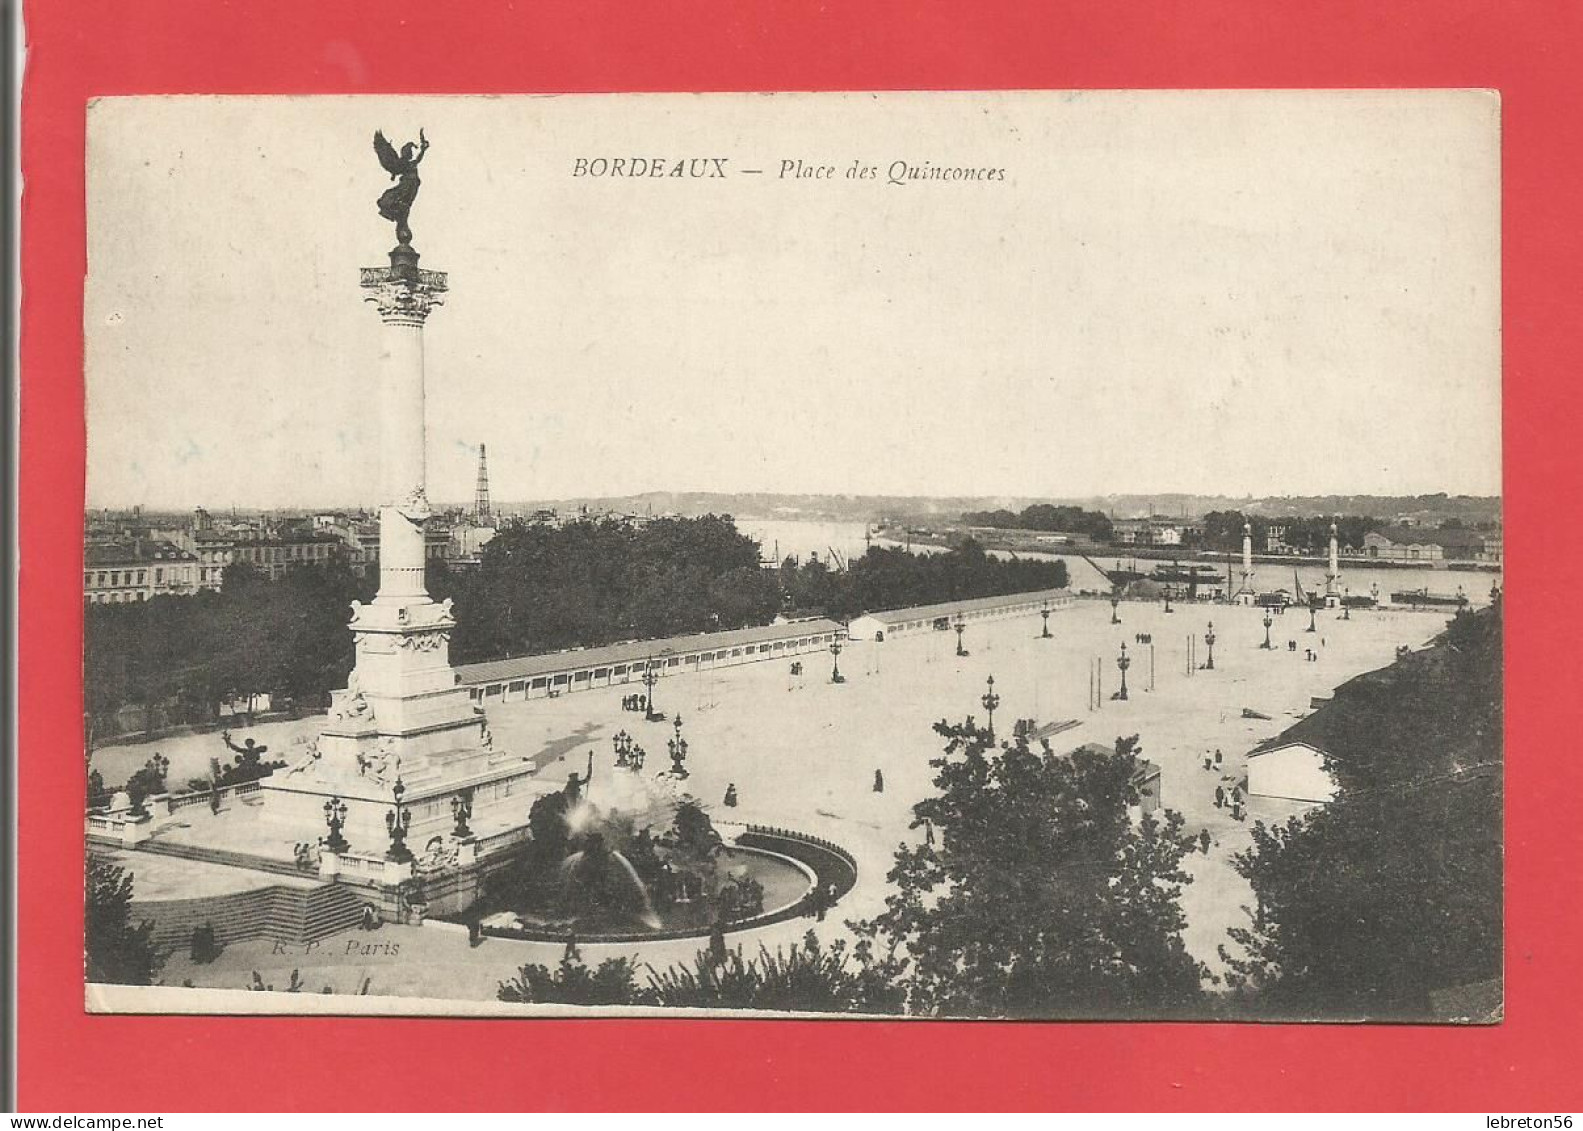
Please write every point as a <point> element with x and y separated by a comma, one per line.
<point>802,752</point>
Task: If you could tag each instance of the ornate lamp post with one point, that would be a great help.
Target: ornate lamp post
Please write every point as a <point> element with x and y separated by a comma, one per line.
<point>398,821</point>
<point>678,746</point>
<point>835,660</point>
<point>1168,602</point>
<point>1044,611</point>
<point>991,701</point>
<point>462,809</point>
<point>1123,662</point>
<point>651,676</point>
<point>1311,626</point>
<point>1267,622</point>
<point>335,817</point>
<point>1115,604</point>
<point>1209,639</point>
<point>960,624</point>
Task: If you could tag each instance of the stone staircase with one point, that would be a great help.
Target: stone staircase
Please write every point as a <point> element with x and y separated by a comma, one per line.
<point>297,913</point>
<point>282,914</point>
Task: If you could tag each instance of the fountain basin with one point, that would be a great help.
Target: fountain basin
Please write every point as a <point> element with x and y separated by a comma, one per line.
<point>790,866</point>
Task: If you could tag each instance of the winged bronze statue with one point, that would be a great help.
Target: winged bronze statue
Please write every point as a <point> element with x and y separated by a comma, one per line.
<point>395,203</point>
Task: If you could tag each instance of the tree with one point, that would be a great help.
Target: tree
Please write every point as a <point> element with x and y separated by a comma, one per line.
<point>147,782</point>
<point>98,795</point>
<point>116,951</point>
<point>1394,889</point>
<point>1041,897</point>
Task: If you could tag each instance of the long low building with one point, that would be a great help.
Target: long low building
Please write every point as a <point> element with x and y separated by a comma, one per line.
<point>554,673</point>
<point>941,617</point>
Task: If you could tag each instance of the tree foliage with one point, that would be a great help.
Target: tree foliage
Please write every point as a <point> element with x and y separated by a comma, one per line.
<point>1311,534</point>
<point>810,977</point>
<point>1393,890</point>
<point>889,578</point>
<point>1041,898</point>
<point>613,982</point>
<point>541,588</point>
<point>180,657</point>
<point>1046,516</point>
<point>116,950</point>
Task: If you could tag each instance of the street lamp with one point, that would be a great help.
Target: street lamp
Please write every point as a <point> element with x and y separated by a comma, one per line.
<point>462,809</point>
<point>651,676</point>
<point>398,821</point>
<point>1123,662</point>
<point>991,701</point>
<point>335,817</point>
<point>1267,622</point>
<point>835,660</point>
<point>1168,602</point>
<point>678,746</point>
<point>1311,626</point>
<point>960,624</point>
<point>1044,611</point>
<point>1115,603</point>
<point>1209,639</point>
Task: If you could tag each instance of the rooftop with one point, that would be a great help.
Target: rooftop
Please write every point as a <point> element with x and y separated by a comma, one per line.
<point>968,605</point>
<point>135,552</point>
<point>522,667</point>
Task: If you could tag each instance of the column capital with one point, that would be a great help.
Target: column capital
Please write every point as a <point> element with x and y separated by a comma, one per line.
<point>403,294</point>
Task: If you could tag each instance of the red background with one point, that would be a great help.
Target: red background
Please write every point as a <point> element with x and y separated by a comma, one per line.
<point>1527,50</point>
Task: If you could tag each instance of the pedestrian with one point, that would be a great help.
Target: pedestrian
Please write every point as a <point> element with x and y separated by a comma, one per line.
<point>928,833</point>
<point>731,795</point>
<point>1217,757</point>
<point>1220,796</point>
<point>1207,763</point>
<point>1203,841</point>
<point>879,781</point>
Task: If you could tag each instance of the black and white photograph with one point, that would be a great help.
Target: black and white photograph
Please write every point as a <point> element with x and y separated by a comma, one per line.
<point>909,555</point>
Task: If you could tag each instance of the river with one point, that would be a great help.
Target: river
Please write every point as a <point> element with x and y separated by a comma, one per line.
<point>794,536</point>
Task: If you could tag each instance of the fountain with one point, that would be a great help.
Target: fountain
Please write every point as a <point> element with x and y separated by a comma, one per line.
<point>632,857</point>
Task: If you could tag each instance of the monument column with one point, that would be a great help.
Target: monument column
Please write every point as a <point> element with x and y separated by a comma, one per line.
<point>1333,578</point>
<point>404,296</point>
<point>1246,592</point>
<point>403,737</point>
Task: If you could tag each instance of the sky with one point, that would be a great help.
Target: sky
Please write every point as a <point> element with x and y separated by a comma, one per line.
<point>1213,292</point>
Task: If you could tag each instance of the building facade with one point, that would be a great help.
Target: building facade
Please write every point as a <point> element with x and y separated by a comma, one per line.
<point>1401,544</point>
<point>121,572</point>
<point>1290,771</point>
<point>928,618</point>
<point>556,673</point>
<point>272,557</point>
